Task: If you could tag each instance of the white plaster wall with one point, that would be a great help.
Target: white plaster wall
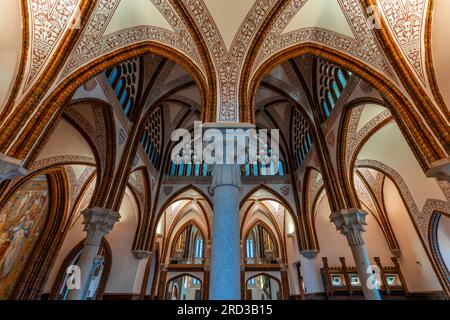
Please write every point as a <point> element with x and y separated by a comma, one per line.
<point>416,267</point>
<point>125,266</point>
<point>333,245</point>
<point>10,46</point>
<point>66,140</point>
<point>389,147</point>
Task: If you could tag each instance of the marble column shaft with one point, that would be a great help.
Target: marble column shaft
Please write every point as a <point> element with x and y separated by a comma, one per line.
<point>97,223</point>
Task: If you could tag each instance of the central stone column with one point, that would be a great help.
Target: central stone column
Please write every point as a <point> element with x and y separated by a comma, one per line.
<point>225,281</point>
<point>97,223</point>
<point>351,224</point>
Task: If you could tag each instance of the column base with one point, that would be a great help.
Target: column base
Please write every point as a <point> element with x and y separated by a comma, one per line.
<point>11,168</point>
<point>440,170</point>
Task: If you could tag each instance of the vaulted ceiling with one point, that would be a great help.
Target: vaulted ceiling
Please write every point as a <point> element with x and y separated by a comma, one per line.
<point>226,41</point>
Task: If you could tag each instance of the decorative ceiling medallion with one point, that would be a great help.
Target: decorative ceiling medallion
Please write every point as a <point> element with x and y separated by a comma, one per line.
<point>48,21</point>
<point>406,20</point>
<point>363,46</point>
<point>94,43</point>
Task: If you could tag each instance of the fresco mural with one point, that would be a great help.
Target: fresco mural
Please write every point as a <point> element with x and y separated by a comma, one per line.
<point>21,222</point>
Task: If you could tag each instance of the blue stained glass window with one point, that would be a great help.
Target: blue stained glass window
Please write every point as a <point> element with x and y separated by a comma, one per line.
<point>342,78</point>
<point>247,170</point>
<point>128,108</point>
<point>189,169</point>
<point>309,139</point>
<point>272,168</point>
<point>199,248</point>
<point>330,98</point>
<point>336,90</point>
<point>113,76</point>
<point>280,168</point>
<point>250,248</point>
<point>197,169</point>
<point>255,170</point>
<point>173,169</point>
<point>325,108</point>
<point>119,87</point>
<point>181,169</point>
<point>205,169</point>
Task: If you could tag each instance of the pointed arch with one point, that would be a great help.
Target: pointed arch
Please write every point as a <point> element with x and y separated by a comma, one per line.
<point>426,148</point>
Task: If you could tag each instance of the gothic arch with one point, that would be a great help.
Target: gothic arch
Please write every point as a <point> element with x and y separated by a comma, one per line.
<point>59,281</point>
<point>177,197</point>
<point>276,238</point>
<point>346,165</point>
<point>421,219</point>
<point>174,234</point>
<point>434,244</point>
<point>21,146</point>
<point>178,277</point>
<point>405,114</point>
<point>35,271</point>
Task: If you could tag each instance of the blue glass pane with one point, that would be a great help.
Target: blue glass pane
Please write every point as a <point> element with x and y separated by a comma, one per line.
<point>181,170</point>
<point>205,169</point>
<point>336,90</point>
<point>173,169</point>
<point>280,168</point>
<point>119,87</point>
<point>113,76</point>
<point>197,169</point>
<point>247,170</point>
<point>123,98</point>
<point>326,109</point>
<point>272,168</point>
<point>189,169</point>
<point>342,78</point>
<point>330,99</point>
<point>309,139</point>
<point>128,108</point>
<point>255,170</point>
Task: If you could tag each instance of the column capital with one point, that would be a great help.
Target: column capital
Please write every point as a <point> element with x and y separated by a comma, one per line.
<point>226,175</point>
<point>351,223</point>
<point>97,223</point>
<point>11,168</point>
<point>141,254</point>
<point>309,254</point>
<point>440,170</point>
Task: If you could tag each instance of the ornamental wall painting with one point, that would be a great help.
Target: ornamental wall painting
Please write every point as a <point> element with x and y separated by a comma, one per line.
<point>22,221</point>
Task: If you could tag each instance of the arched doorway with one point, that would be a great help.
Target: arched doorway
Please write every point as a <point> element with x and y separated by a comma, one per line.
<point>263,287</point>
<point>99,278</point>
<point>184,287</point>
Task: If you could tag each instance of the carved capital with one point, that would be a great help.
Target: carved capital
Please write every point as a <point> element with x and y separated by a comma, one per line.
<point>141,254</point>
<point>440,170</point>
<point>97,223</point>
<point>11,168</point>
<point>226,175</point>
<point>351,223</point>
<point>309,254</point>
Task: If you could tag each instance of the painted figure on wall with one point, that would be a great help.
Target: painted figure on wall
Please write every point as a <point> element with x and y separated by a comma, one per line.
<point>21,222</point>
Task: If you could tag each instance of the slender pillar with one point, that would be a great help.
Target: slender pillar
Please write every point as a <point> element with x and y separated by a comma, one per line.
<point>351,224</point>
<point>10,168</point>
<point>225,251</point>
<point>97,223</point>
